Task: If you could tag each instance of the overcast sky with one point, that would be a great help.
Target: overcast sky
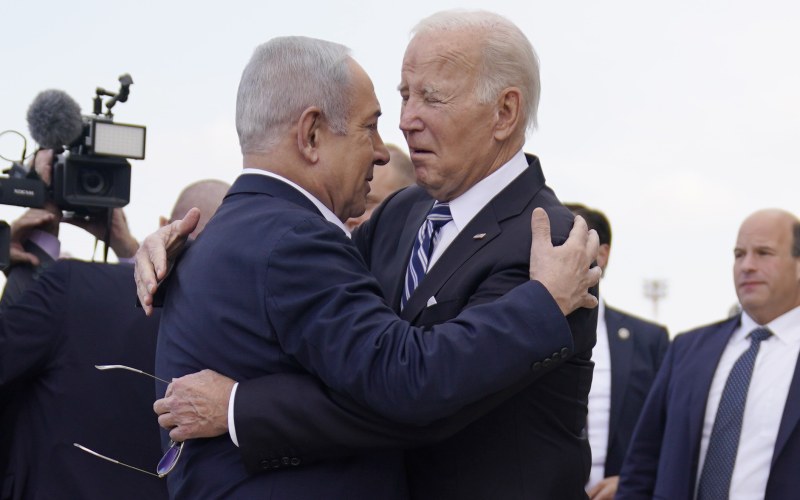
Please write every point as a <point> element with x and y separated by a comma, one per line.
<point>677,119</point>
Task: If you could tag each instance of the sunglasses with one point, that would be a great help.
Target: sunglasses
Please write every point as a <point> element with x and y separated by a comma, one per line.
<point>173,453</point>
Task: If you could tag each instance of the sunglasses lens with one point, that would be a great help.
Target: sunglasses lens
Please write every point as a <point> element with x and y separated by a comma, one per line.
<point>170,458</point>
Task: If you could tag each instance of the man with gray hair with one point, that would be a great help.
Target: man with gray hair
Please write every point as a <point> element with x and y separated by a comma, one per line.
<point>470,89</point>
<point>274,286</point>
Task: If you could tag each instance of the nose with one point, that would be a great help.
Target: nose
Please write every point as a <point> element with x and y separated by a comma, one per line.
<point>748,262</point>
<point>409,116</point>
<point>380,154</point>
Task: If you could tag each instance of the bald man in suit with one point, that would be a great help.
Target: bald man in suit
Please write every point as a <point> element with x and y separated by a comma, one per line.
<point>722,419</point>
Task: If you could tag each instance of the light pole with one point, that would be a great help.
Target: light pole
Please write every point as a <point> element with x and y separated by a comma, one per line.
<point>655,290</point>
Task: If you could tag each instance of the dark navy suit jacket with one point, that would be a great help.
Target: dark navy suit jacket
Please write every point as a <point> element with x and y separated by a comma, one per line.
<point>270,286</point>
<point>637,348</point>
<point>530,445</point>
<point>75,316</point>
<point>663,458</point>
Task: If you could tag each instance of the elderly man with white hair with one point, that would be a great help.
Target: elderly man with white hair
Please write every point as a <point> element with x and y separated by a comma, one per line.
<point>274,286</point>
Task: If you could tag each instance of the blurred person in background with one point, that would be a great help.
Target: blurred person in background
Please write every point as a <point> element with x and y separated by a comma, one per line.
<point>627,356</point>
<point>386,179</point>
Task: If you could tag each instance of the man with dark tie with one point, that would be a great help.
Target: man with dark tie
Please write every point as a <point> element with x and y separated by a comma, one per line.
<point>275,286</point>
<point>722,417</point>
<point>469,85</point>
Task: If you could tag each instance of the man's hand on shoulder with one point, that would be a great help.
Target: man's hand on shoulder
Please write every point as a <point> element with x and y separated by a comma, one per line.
<point>157,252</point>
<point>565,270</point>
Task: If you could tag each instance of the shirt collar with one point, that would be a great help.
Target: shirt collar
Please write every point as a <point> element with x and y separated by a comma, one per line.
<point>785,327</point>
<point>465,207</point>
<point>325,211</point>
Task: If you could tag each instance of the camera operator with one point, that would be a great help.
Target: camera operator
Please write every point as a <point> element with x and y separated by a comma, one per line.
<point>56,326</point>
<point>34,243</point>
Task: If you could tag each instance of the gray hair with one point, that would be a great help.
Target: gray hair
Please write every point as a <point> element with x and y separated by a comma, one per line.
<point>285,76</point>
<point>508,57</point>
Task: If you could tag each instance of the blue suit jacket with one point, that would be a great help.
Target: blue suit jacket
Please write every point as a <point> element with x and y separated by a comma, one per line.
<point>529,445</point>
<point>663,459</point>
<point>77,315</point>
<point>271,287</point>
<point>636,354</point>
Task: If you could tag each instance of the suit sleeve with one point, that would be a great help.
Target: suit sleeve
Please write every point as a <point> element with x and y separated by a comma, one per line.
<point>272,423</point>
<point>328,316</point>
<point>20,277</point>
<point>29,331</point>
<point>640,468</point>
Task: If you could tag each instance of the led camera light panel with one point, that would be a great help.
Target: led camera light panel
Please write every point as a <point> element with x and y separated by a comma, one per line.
<point>119,139</point>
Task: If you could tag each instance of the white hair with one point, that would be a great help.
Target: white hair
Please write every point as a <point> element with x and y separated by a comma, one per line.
<point>285,76</point>
<point>508,56</point>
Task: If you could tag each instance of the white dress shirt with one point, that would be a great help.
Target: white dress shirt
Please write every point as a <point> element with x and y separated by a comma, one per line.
<point>599,400</point>
<point>330,217</point>
<point>769,387</point>
<point>466,207</point>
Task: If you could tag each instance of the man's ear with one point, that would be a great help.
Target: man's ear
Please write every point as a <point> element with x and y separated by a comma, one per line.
<point>308,133</point>
<point>603,254</point>
<point>508,113</point>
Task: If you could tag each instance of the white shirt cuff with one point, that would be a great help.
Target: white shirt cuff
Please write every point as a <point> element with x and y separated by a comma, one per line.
<point>231,426</point>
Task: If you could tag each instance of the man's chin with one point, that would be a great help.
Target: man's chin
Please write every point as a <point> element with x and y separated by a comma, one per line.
<point>750,301</point>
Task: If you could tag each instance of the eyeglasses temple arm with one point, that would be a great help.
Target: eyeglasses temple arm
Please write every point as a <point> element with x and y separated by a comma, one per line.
<point>87,450</point>
<point>123,367</point>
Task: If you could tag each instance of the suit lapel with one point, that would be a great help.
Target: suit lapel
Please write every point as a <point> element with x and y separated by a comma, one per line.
<point>791,414</point>
<point>510,202</point>
<point>698,382</point>
<point>459,251</point>
<point>621,353</point>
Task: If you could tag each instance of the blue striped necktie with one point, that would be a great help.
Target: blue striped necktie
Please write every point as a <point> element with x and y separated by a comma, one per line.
<point>427,237</point>
<point>715,480</point>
